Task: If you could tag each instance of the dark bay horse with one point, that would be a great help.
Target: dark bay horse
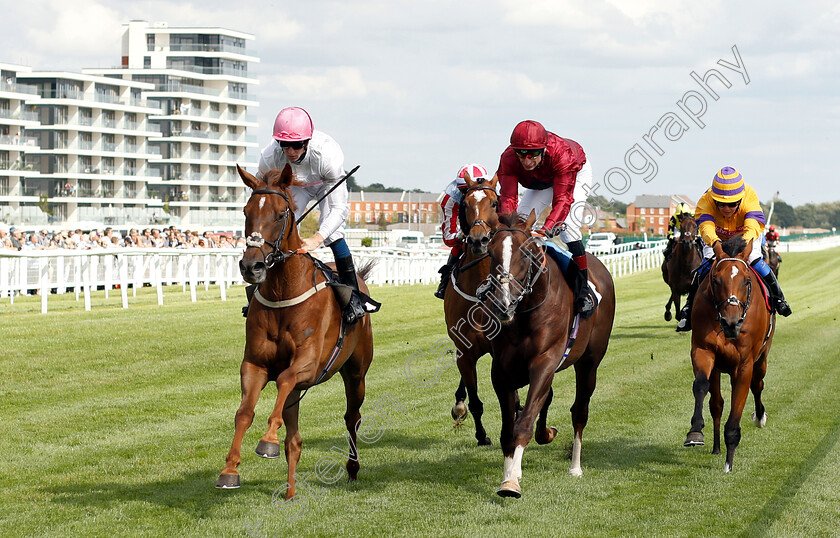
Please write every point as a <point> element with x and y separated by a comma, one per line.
<point>732,334</point>
<point>466,318</point>
<point>292,330</point>
<point>685,258</point>
<point>773,259</point>
<point>533,303</point>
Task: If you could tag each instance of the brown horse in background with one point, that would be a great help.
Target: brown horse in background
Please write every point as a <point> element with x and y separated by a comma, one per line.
<point>292,330</point>
<point>773,258</point>
<point>466,319</point>
<point>533,303</point>
<point>732,334</point>
<point>677,271</point>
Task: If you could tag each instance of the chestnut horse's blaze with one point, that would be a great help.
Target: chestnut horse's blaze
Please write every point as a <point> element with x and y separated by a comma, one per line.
<point>732,334</point>
<point>292,330</point>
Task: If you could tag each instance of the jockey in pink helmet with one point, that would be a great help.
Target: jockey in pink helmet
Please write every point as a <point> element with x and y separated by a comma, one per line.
<point>318,164</point>
<point>453,195</point>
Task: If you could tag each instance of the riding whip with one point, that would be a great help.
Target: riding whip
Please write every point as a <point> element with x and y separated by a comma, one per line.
<point>334,187</point>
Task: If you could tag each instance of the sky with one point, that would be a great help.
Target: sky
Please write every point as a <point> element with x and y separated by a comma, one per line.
<point>412,90</point>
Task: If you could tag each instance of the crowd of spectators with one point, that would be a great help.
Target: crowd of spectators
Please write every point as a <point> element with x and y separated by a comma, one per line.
<point>16,239</point>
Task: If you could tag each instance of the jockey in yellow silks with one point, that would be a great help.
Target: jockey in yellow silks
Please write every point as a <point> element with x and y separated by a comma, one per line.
<point>729,208</point>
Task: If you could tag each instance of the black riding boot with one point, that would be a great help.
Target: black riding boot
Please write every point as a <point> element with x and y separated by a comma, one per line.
<point>777,298</point>
<point>669,248</point>
<point>684,315</point>
<point>445,272</point>
<point>249,293</point>
<point>347,274</point>
<point>585,300</point>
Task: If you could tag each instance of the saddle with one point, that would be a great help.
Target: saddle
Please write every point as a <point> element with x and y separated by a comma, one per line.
<point>570,270</point>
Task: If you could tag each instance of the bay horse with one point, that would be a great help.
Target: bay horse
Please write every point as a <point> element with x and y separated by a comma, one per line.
<point>540,335</point>
<point>732,333</point>
<point>773,258</point>
<point>466,318</point>
<point>677,271</point>
<point>292,331</point>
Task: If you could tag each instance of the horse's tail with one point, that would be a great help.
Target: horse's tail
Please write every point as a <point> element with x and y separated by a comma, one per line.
<point>365,270</point>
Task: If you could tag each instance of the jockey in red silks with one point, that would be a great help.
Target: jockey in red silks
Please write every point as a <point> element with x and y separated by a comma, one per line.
<point>772,236</point>
<point>453,195</point>
<point>729,208</point>
<point>554,172</point>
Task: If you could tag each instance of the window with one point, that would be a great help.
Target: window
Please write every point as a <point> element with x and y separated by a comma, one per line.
<point>642,211</point>
<point>661,210</point>
<point>661,220</point>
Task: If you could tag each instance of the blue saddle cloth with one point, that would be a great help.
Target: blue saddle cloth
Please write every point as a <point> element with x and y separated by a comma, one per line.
<point>562,256</point>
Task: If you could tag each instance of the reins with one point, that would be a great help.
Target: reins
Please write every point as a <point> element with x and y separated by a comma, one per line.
<point>731,300</point>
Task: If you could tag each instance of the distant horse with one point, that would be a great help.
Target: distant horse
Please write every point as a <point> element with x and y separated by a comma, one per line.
<point>773,258</point>
<point>732,334</point>
<point>539,335</point>
<point>685,258</point>
<point>465,318</point>
<point>293,330</point>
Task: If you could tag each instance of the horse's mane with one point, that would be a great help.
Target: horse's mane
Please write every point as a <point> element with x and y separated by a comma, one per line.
<point>734,245</point>
<point>511,219</point>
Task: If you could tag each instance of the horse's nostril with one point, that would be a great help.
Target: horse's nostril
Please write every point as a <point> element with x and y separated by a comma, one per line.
<point>485,240</point>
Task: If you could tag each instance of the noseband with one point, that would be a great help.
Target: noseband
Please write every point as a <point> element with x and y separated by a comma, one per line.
<point>732,300</point>
<point>256,240</point>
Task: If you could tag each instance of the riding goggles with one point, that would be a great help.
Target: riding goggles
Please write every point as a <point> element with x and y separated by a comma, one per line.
<point>294,145</point>
<point>728,204</point>
<point>528,153</point>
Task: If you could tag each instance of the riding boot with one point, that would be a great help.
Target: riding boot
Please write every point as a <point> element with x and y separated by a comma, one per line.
<point>249,293</point>
<point>777,298</point>
<point>585,300</point>
<point>445,272</point>
<point>347,275</point>
<point>669,248</point>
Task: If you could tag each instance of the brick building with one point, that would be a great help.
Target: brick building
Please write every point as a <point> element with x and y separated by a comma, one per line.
<point>651,212</point>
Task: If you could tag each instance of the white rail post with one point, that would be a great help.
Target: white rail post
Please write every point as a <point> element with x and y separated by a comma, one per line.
<point>122,264</point>
<point>43,282</point>
<point>87,267</point>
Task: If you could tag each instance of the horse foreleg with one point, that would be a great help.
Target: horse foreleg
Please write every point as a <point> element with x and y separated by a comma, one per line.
<point>715,407</point>
<point>269,445</point>
<point>732,430</point>
<point>512,454</point>
<point>585,381</point>
<point>252,380</point>
<point>542,434</point>
<point>293,442</point>
<point>469,377</point>
<point>703,362</point>
<point>459,410</point>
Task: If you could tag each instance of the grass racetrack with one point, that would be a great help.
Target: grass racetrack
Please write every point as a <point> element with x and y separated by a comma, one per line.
<point>117,422</point>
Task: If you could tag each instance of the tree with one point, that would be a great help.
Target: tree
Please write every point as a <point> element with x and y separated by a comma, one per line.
<point>784,215</point>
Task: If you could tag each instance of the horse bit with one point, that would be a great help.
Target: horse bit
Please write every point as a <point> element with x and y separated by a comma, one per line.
<point>256,240</point>
<point>506,278</point>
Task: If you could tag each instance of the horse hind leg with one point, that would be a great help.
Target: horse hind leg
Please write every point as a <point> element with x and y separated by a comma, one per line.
<point>543,434</point>
<point>759,417</point>
<point>252,380</point>
<point>585,380</point>
<point>293,441</point>
<point>354,391</point>
<point>700,388</point>
<point>732,429</point>
<point>459,410</point>
<point>668,308</point>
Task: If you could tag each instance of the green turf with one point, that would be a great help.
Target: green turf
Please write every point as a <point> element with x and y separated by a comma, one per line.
<point>116,422</point>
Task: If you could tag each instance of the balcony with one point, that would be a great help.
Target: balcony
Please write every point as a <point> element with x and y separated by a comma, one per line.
<point>216,47</point>
<point>15,87</point>
<point>27,115</point>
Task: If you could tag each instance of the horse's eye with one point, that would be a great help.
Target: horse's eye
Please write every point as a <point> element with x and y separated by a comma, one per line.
<point>495,204</point>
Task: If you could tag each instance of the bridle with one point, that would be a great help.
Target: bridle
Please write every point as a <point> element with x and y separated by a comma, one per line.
<point>731,300</point>
<point>481,222</point>
<point>256,240</point>
<point>526,286</point>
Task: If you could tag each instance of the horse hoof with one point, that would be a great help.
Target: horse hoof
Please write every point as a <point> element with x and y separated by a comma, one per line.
<point>268,450</point>
<point>228,481</point>
<point>694,439</point>
<point>576,472</point>
<point>759,423</point>
<point>485,442</point>
<point>459,412</point>
<point>510,488</point>
<point>547,437</point>
<point>668,316</point>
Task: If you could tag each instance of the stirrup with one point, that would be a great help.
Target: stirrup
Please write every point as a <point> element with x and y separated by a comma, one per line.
<point>684,324</point>
<point>783,308</point>
<point>245,311</point>
<point>440,292</point>
<point>354,311</point>
<point>585,305</point>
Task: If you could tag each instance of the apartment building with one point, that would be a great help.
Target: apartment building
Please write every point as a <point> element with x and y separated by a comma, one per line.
<point>153,141</point>
<point>17,115</point>
<point>650,213</point>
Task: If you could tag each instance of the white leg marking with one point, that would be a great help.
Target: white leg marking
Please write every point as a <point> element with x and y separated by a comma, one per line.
<point>759,423</point>
<point>726,468</point>
<point>513,465</point>
<point>575,469</point>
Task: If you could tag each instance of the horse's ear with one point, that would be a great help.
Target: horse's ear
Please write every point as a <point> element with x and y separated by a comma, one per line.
<point>532,218</point>
<point>494,181</point>
<point>249,179</point>
<point>284,179</point>
<point>719,253</point>
<point>469,181</point>
<point>745,254</point>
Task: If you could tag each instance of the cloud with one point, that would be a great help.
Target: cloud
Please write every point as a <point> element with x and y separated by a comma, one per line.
<point>320,84</point>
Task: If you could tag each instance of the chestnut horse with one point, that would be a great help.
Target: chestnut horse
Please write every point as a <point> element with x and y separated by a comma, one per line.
<point>466,318</point>
<point>293,329</point>
<point>732,334</point>
<point>677,271</point>
<point>540,335</point>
